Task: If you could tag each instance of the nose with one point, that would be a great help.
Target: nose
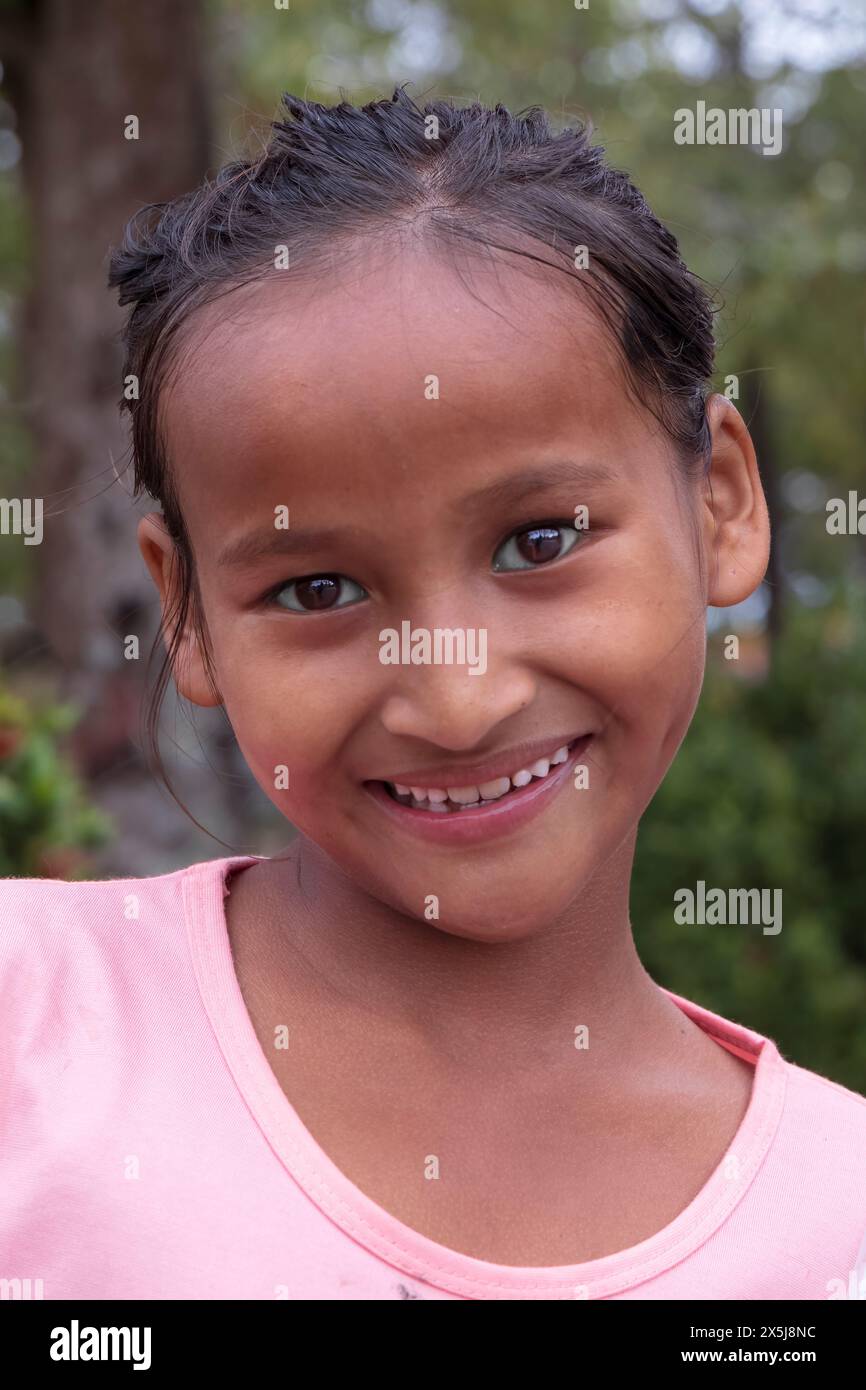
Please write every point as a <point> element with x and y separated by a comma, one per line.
<point>446,705</point>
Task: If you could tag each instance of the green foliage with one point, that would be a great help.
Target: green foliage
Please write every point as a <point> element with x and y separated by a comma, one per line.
<point>769,791</point>
<point>45,819</point>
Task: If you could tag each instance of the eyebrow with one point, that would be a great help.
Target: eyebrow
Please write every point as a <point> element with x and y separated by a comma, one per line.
<point>520,485</point>
<point>259,545</point>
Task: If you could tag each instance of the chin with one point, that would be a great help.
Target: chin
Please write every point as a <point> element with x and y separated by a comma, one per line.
<point>494,932</point>
<point>500,912</point>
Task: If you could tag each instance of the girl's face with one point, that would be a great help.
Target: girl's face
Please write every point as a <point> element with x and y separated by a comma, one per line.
<point>416,429</point>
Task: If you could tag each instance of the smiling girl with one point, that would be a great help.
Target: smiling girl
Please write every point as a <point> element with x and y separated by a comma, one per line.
<point>439,367</point>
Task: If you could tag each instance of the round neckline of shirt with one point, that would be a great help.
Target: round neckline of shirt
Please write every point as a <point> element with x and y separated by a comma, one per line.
<point>204,890</point>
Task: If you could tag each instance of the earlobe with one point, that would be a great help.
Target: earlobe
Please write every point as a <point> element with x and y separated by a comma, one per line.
<point>159,553</point>
<point>737,531</point>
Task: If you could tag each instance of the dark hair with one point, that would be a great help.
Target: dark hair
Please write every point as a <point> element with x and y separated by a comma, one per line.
<point>471,173</point>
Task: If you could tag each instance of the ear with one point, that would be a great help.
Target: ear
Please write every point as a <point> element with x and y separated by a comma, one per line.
<point>736,521</point>
<point>160,555</point>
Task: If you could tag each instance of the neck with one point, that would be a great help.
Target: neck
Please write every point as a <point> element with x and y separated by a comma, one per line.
<point>515,1004</point>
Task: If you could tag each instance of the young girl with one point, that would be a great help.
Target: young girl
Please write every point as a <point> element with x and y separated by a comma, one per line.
<point>423,395</point>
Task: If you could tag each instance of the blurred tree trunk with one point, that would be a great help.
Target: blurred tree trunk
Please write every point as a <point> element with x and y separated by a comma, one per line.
<point>73,73</point>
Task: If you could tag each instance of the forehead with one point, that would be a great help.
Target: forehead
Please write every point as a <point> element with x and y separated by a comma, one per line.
<point>389,369</point>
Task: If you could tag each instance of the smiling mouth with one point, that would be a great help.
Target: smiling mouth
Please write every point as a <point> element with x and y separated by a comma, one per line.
<point>455,800</point>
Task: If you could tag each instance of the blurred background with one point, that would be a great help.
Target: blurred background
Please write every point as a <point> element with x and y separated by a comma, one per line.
<point>769,790</point>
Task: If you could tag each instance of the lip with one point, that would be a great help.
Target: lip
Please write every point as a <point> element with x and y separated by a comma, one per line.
<point>504,764</point>
<point>489,821</point>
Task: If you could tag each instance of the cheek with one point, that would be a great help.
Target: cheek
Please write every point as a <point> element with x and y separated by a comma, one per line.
<point>291,713</point>
<point>635,642</point>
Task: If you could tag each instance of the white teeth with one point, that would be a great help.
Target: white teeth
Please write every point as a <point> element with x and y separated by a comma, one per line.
<point>490,791</point>
<point>436,798</point>
<point>464,796</point>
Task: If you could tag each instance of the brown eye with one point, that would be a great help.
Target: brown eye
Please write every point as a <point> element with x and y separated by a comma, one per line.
<point>318,593</point>
<point>321,592</point>
<point>536,545</point>
<point>541,544</point>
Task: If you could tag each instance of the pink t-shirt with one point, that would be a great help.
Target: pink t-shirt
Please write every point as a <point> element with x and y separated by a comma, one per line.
<point>148,1151</point>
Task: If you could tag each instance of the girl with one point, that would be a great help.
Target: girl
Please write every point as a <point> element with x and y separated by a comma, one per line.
<point>418,385</point>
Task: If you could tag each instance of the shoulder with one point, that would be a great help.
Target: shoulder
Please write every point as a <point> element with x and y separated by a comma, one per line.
<point>813,1104</point>
<point>54,933</point>
<point>821,1175</point>
<point>825,1108</point>
<point>808,1134</point>
<point>34,910</point>
<point>818,1164</point>
<point>43,897</point>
